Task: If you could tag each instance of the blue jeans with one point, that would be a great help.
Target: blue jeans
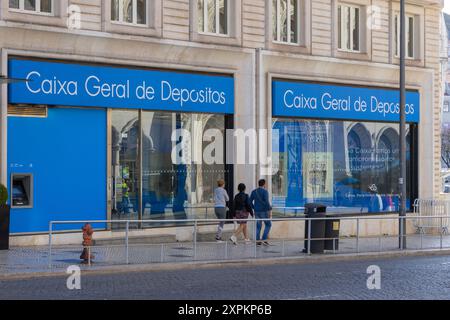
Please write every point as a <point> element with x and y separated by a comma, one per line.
<point>267,223</point>
<point>221,213</point>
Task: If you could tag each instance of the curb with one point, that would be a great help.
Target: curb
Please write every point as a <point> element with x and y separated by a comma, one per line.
<point>195,265</point>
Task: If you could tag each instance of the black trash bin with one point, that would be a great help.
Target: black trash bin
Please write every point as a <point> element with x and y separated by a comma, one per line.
<point>332,228</point>
<point>315,210</point>
<point>4,227</point>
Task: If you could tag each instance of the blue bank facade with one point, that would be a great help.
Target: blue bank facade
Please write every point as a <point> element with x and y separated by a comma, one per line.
<point>98,142</point>
<point>339,145</point>
<point>94,142</point>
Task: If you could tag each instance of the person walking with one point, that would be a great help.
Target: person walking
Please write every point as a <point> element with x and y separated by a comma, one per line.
<point>220,207</point>
<point>259,200</point>
<point>242,209</point>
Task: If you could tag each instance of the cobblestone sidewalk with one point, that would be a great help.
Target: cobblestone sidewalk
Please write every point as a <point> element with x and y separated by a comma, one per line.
<point>36,259</point>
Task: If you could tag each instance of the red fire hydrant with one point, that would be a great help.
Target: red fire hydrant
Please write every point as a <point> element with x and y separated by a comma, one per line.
<point>86,255</point>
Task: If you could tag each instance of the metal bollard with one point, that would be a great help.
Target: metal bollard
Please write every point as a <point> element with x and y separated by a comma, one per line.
<point>87,243</point>
<point>127,258</point>
<point>357,235</point>
<point>226,250</point>
<point>421,239</point>
<point>401,232</point>
<point>195,239</point>
<point>254,234</point>
<point>379,237</point>
<point>334,245</point>
<point>309,236</point>
<point>50,245</point>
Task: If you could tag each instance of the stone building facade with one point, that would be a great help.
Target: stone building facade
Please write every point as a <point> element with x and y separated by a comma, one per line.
<point>264,47</point>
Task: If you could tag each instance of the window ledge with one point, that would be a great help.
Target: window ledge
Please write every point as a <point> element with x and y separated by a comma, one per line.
<point>353,55</point>
<point>131,29</point>
<point>286,43</point>
<point>410,62</point>
<point>288,47</point>
<point>215,39</point>
<point>211,34</point>
<point>350,51</point>
<point>127,24</point>
<point>46,14</point>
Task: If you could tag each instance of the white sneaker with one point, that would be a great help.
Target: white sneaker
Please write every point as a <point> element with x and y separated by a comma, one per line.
<point>248,241</point>
<point>233,239</point>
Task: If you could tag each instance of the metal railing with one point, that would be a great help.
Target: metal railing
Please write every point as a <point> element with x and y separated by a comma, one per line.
<point>207,212</point>
<point>352,242</point>
<point>433,214</point>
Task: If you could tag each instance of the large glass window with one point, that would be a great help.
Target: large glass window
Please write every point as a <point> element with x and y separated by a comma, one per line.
<point>37,6</point>
<point>213,16</point>
<point>348,27</point>
<point>129,11</point>
<point>180,188</point>
<point>171,188</point>
<point>285,21</point>
<point>350,167</point>
<point>125,165</point>
<point>410,35</point>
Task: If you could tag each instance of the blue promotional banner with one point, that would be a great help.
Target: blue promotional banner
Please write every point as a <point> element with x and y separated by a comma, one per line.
<point>68,84</point>
<point>312,100</point>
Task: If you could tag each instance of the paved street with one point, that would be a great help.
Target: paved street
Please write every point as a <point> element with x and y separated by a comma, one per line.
<point>401,278</point>
<point>21,260</point>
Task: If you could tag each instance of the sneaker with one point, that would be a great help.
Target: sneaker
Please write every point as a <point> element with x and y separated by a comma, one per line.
<point>266,243</point>
<point>258,243</point>
<point>218,240</point>
<point>248,241</point>
<point>233,239</point>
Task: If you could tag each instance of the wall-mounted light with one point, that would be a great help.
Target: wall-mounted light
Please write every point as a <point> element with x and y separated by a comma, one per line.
<point>4,79</point>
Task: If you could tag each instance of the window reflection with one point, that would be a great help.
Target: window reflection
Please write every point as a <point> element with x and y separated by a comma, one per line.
<point>170,189</point>
<point>129,11</point>
<point>30,5</point>
<point>142,11</point>
<point>285,21</point>
<point>125,175</point>
<point>14,4</point>
<point>178,189</point>
<point>350,167</point>
<point>46,6</point>
<point>213,16</point>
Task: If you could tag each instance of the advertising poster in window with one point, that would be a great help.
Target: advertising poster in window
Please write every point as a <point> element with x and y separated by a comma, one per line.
<point>318,175</point>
